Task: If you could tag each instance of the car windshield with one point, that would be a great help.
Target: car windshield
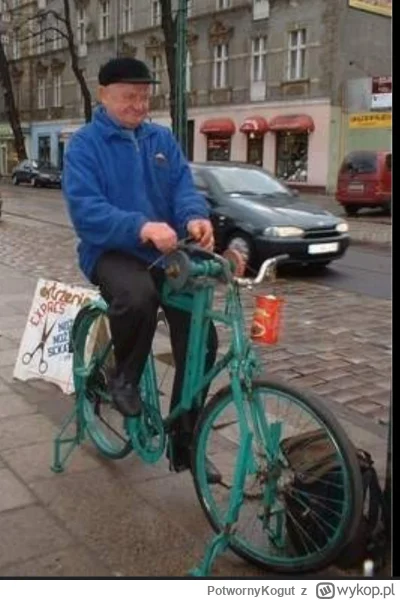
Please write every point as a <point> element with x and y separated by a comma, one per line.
<point>253,182</point>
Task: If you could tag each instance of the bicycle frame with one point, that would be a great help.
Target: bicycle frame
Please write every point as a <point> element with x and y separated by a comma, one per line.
<point>240,358</point>
<point>243,365</point>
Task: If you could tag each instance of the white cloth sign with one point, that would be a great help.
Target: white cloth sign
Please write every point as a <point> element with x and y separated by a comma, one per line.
<point>44,349</point>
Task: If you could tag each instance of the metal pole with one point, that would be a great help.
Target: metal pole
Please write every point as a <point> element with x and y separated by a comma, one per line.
<point>180,125</point>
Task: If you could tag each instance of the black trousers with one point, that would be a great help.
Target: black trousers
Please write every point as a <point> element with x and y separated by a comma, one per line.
<point>133,295</point>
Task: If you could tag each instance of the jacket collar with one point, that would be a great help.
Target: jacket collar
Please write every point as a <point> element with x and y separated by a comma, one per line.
<point>110,127</point>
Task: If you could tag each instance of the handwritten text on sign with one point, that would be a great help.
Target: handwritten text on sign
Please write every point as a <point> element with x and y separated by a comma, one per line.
<point>44,349</point>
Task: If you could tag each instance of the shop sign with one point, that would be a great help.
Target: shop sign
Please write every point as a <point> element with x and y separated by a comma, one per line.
<point>381,92</point>
<point>381,120</point>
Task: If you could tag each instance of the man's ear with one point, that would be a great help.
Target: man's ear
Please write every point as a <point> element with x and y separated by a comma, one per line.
<point>101,92</point>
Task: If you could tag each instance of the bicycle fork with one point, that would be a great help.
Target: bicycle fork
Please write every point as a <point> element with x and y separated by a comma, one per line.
<point>221,540</point>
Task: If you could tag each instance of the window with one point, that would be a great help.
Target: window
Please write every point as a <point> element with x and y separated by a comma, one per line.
<point>57,90</point>
<point>41,47</point>
<point>199,182</point>
<point>126,16</point>
<point>57,41</point>
<point>81,26</point>
<point>297,55</point>
<point>16,47</point>
<point>236,179</point>
<point>220,66</point>
<point>41,93</point>
<point>221,4</point>
<point>44,150</point>
<point>155,13</point>
<point>260,9</point>
<point>17,94</point>
<point>189,7</point>
<point>259,59</point>
<point>218,148</point>
<point>361,162</point>
<point>156,69</point>
<point>104,23</point>
<point>189,65</point>
<point>292,156</point>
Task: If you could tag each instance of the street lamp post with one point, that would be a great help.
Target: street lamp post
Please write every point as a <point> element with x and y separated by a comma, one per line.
<point>180,122</point>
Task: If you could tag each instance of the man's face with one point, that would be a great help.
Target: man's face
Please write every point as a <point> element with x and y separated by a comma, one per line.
<point>127,102</point>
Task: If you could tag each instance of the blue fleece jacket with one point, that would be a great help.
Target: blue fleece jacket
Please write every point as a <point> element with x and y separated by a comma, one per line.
<point>115,180</point>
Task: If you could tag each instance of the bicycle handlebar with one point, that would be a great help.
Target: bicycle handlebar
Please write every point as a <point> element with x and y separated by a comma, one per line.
<point>266,269</point>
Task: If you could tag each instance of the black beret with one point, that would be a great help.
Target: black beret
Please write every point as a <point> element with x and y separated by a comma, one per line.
<point>125,70</point>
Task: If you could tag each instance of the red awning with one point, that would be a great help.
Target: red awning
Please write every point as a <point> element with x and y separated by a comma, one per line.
<point>218,126</point>
<point>296,123</point>
<point>254,125</point>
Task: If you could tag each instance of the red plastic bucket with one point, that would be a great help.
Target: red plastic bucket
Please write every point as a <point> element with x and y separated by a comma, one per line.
<point>267,319</point>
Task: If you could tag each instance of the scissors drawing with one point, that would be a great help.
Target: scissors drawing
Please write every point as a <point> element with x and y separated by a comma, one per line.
<point>27,357</point>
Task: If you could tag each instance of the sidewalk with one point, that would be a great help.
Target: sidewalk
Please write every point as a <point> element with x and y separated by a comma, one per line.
<point>103,518</point>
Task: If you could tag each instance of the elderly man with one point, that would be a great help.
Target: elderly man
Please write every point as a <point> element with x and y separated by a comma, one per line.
<point>131,196</point>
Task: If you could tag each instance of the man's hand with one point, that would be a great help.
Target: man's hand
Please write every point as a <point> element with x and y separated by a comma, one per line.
<point>161,235</point>
<point>202,232</point>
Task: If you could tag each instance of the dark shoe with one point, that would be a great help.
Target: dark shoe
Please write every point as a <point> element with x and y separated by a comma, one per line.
<point>180,461</point>
<point>179,457</point>
<point>126,397</point>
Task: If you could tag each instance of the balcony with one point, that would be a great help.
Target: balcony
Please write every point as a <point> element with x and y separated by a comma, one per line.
<point>220,96</point>
<point>295,89</point>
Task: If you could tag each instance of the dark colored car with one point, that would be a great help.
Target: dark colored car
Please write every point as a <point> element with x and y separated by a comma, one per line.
<point>36,174</point>
<point>365,181</point>
<point>257,215</point>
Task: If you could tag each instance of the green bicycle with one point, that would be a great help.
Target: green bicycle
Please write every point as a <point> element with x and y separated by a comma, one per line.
<point>249,428</point>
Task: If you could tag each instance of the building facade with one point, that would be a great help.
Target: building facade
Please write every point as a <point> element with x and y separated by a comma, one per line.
<point>267,80</point>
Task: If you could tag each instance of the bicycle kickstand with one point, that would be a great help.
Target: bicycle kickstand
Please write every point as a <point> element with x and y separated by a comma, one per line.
<point>71,441</point>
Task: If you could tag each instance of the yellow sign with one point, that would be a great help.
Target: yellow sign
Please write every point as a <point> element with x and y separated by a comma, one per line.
<point>380,7</point>
<point>382,120</point>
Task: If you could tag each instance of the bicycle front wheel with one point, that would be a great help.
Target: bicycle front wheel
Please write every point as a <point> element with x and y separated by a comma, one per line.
<point>302,494</point>
<point>93,364</point>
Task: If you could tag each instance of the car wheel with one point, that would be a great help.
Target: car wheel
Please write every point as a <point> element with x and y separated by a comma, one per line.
<point>318,267</point>
<point>14,180</point>
<point>351,211</point>
<point>243,244</point>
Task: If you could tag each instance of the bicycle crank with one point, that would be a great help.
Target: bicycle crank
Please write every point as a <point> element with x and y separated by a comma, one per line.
<point>147,434</point>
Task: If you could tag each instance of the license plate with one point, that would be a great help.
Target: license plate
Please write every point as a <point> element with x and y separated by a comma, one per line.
<point>356,187</point>
<point>323,248</point>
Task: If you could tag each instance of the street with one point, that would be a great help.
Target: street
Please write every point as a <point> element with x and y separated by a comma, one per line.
<point>362,270</point>
<point>125,518</point>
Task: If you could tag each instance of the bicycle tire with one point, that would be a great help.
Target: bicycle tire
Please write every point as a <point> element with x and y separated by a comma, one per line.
<point>341,441</point>
<point>84,323</point>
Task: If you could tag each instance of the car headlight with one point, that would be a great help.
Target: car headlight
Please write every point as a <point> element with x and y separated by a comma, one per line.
<point>284,232</point>
<point>342,227</point>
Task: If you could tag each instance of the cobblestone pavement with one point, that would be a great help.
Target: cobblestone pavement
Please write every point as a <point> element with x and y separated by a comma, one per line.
<point>103,518</point>
<point>335,342</point>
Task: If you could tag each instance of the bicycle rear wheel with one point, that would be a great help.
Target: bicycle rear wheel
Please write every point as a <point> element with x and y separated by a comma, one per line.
<point>93,364</point>
<point>288,521</point>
